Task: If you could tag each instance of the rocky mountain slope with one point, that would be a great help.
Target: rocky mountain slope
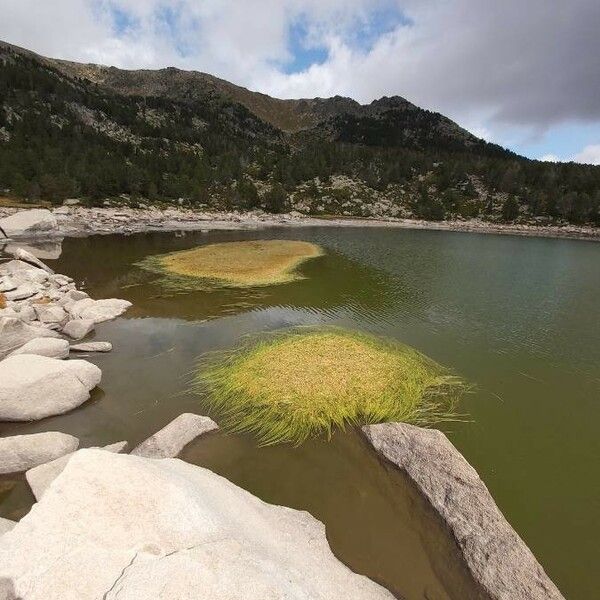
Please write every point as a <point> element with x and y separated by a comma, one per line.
<point>70,129</point>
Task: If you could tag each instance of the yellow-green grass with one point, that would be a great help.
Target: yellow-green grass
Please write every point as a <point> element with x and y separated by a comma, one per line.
<point>301,384</point>
<point>234,264</point>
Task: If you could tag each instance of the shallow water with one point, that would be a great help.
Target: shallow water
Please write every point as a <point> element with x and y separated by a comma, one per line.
<point>518,317</point>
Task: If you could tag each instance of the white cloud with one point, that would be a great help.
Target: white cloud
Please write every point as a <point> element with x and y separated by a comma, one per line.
<point>550,158</point>
<point>504,70</point>
<point>589,155</point>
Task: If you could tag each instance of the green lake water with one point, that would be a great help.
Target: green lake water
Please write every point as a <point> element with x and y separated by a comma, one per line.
<point>519,318</point>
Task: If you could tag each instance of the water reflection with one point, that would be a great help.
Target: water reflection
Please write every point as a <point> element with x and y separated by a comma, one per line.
<point>518,317</point>
<point>42,249</point>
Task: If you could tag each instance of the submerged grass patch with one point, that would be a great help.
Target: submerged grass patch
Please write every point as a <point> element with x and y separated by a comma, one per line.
<point>291,387</point>
<point>233,264</point>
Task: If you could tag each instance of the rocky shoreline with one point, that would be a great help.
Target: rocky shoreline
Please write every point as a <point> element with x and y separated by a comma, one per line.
<point>78,221</point>
<point>146,525</point>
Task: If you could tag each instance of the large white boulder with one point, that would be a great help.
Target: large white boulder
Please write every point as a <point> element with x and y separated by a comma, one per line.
<point>14,333</point>
<point>495,555</point>
<point>171,439</point>
<point>120,526</point>
<point>33,387</point>
<point>78,328</point>
<point>27,223</point>
<point>50,347</point>
<point>6,525</point>
<point>98,310</point>
<point>20,453</point>
<point>39,478</point>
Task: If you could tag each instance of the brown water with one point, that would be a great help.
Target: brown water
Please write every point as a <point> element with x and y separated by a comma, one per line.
<point>519,318</point>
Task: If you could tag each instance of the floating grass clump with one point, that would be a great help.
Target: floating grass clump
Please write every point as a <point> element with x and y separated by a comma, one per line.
<point>291,387</point>
<point>233,264</point>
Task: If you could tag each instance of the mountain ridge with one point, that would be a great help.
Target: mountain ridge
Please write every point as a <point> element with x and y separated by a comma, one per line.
<point>298,113</point>
<point>93,130</point>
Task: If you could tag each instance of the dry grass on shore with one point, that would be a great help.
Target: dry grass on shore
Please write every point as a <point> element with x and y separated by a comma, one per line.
<point>301,384</point>
<point>235,264</point>
<point>10,202</point>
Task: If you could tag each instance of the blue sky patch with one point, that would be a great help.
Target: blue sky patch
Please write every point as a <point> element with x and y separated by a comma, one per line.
<point>304,54</point>
<point>123,22</point>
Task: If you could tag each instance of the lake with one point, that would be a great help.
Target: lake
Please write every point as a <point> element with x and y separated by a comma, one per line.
<point>518,318</point>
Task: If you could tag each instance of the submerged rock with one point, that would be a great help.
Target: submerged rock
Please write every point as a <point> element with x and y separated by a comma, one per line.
<point>29,223</point>
<point>120,526</point>
<point>496,556</point>
<point>50,347</point>
<point>40,477</point>
<point>171,439</point>
<point>20,453</point>
<point>33,387</point>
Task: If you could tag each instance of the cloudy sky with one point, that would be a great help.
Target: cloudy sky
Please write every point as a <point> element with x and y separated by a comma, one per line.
<point>522,73</point>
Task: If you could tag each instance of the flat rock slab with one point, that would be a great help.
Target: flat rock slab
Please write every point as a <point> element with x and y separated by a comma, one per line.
<point>99,310</point>
<point>20,453</point>
<point>39,478</point>
<point>171,439</point>
<point>45,346</point>
<point>496,556</point>
<point>92,347</point>
<point>120,526</point>
<point>29,223</point>
<point>33,387</point>
<point>23,291</point>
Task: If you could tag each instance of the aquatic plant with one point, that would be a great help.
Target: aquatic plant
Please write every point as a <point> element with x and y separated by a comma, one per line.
<point>233,264</point>
<point>290,387</point>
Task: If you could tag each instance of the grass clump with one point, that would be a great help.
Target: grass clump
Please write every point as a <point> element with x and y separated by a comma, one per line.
<point>302,384</point>
<point>234,264</point>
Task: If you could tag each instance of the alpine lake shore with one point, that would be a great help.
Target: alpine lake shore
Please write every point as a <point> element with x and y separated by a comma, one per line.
<point>101,526</point>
